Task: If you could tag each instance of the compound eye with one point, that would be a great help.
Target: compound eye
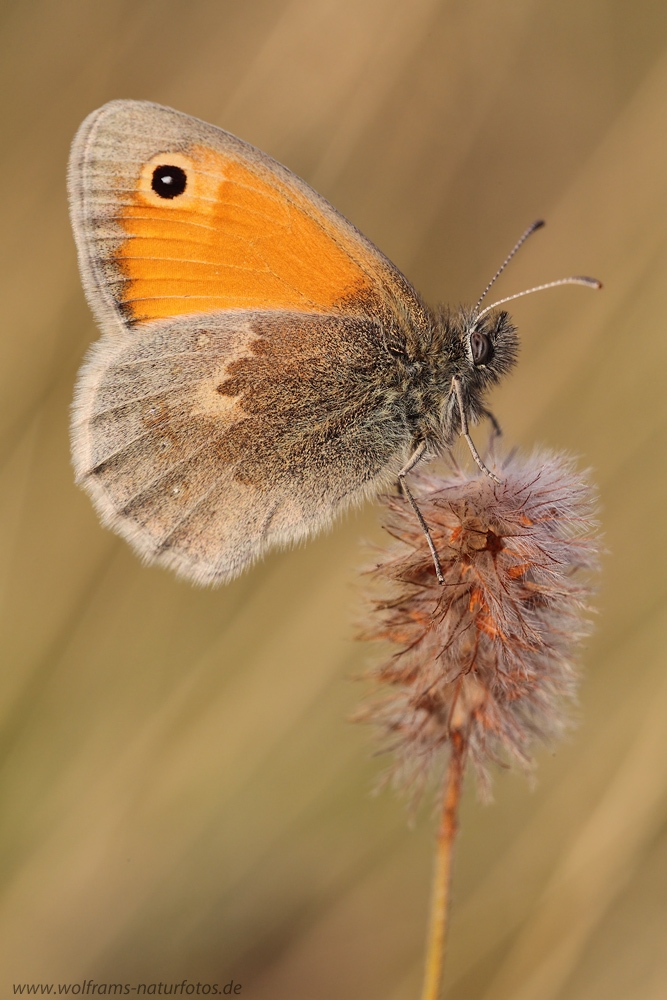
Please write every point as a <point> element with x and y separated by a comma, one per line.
<point>480,348</point>
<point>169,181</point>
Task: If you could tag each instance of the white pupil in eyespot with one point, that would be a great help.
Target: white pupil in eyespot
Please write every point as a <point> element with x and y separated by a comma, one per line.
<point>169,181</point>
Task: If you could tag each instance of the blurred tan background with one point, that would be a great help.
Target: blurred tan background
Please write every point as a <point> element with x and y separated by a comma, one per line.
<point>182,796</point>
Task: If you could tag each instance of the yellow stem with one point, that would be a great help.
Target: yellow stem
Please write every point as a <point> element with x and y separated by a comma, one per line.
<point>437,932</point>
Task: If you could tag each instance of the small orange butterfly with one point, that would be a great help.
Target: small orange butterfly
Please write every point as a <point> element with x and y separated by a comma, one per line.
<point>262,365</point>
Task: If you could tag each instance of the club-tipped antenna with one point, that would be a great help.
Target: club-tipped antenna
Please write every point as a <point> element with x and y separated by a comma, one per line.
<point>576,280</point>
<point>529,232</point>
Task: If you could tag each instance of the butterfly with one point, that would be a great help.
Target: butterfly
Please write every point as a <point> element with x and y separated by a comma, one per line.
<point>262,365</point>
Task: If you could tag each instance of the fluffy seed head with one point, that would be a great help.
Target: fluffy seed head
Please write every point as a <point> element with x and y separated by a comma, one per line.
<point>488,656</point>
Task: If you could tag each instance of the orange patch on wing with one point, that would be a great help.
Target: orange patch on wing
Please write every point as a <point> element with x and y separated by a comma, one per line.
<point>232,240</point>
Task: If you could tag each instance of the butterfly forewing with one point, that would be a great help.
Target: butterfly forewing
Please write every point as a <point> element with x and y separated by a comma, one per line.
<point>243,233</point>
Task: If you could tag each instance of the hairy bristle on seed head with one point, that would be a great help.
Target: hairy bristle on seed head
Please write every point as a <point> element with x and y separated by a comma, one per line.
<point>488,657</point>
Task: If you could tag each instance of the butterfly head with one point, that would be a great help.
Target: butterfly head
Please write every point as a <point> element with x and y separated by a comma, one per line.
<point>484,347</point>
<point>489,345</point>
<point>475,352</point>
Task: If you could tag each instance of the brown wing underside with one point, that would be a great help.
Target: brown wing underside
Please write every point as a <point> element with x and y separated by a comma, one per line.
<point>204,441</point>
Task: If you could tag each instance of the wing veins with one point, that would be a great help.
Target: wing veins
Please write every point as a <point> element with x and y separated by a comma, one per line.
<point>163,475</point>
<point>132,401</point>
<point>162,544</point>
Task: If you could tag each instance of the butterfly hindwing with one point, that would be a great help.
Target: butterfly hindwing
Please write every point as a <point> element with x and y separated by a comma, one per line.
<point>206,440</point>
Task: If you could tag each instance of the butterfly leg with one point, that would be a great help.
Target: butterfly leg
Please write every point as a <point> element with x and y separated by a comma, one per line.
<point>409,465</point>
<point>497,429</point>
<point>456,385</point>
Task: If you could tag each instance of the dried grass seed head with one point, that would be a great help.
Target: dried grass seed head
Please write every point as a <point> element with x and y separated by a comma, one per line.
<point>488,656</point>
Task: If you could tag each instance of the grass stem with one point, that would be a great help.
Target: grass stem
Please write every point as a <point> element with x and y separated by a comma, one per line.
<point>437,931</point>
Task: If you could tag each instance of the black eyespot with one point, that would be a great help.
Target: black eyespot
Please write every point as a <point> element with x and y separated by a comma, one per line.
<point>480,348</point>
<point>169,181</point>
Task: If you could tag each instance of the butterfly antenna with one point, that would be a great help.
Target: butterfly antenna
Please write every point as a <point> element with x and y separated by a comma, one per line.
<point>577,280</point>
<point>529,232</point>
